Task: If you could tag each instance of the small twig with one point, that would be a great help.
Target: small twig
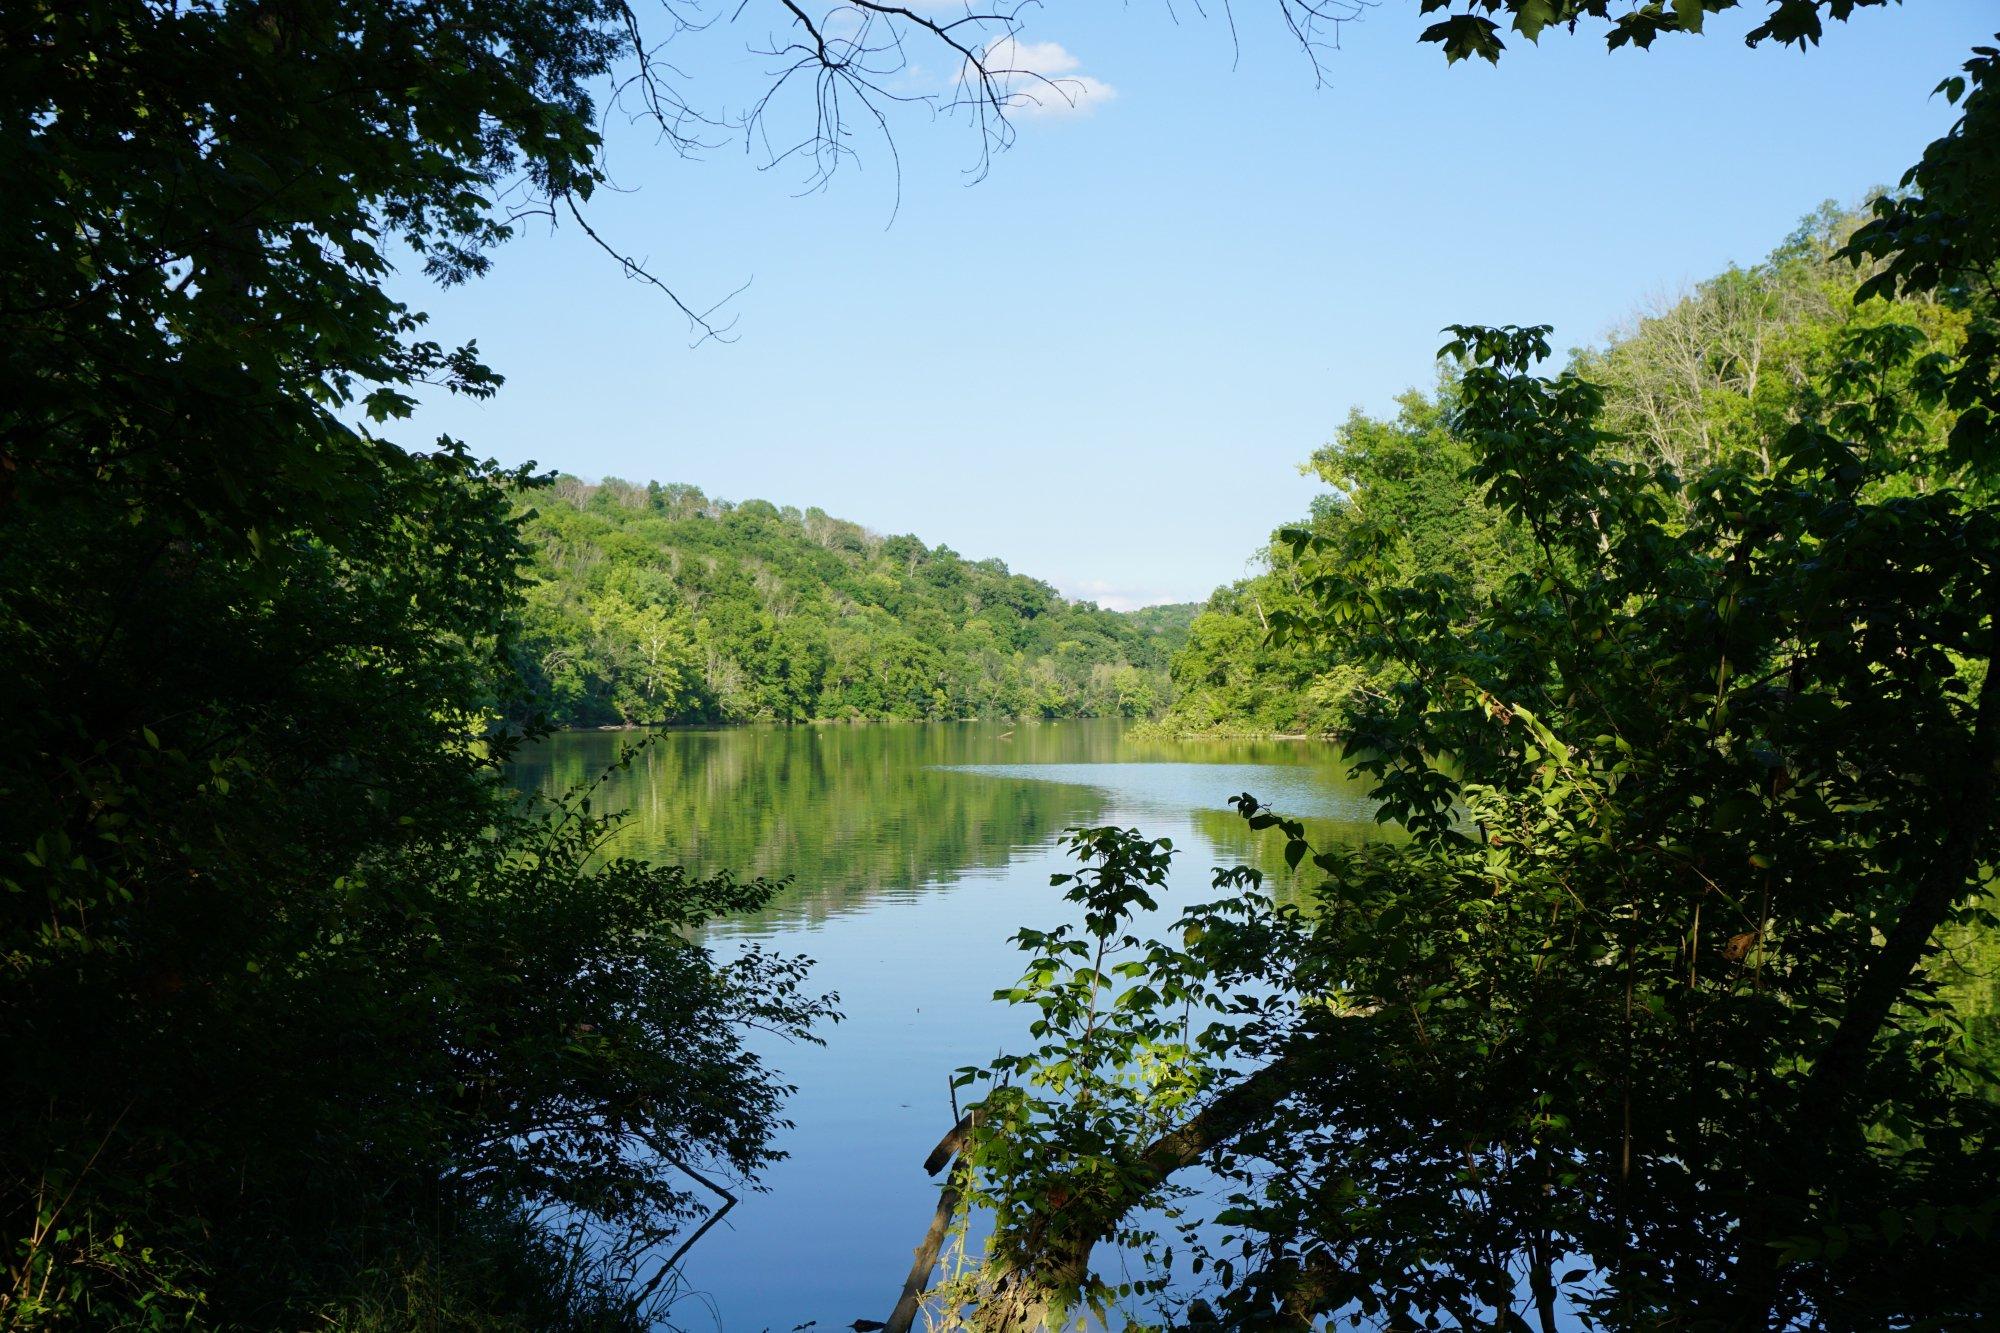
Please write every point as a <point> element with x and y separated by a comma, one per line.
<point>672,1262</point>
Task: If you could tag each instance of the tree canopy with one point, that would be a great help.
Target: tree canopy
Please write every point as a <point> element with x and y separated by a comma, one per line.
<point>1713,376</point>
<point>659,604</point>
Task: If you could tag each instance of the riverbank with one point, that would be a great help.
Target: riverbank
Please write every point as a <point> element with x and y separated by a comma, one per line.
<point>1156,729</point>
<point>732,724</point>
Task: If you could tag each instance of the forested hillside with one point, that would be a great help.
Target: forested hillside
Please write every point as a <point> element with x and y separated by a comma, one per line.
<point>1714,375</point>
<point>657,603</point>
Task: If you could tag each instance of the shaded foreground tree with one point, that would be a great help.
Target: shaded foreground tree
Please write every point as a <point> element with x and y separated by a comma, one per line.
<point>302,1020</point>
<point>1641,1027</point>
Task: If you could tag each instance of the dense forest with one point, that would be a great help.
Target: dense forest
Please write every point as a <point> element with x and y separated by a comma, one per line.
<point>659,604</point>
<point>1714,376</point>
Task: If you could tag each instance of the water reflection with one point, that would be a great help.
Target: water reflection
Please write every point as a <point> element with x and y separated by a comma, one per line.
<point>916,852</point>
<point>859,814</point>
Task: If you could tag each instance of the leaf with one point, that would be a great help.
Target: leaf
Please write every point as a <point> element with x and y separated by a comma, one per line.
<point>1531,16</point>
<point>387,404</point>
<point>1464,36</point>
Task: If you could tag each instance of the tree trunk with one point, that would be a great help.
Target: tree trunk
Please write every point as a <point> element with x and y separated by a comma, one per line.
<point>1033,1293</point>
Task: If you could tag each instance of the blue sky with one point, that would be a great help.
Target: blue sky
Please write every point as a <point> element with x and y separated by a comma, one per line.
<point>1104,362</point>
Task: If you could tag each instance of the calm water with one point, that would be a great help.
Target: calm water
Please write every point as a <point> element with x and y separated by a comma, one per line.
<point>916,851</point>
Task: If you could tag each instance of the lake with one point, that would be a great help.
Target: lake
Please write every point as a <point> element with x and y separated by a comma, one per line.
<point>916,852</point>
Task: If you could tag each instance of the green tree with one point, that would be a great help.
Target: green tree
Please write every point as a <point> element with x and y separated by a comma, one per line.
<point>1717,375</point>
<point>1644,1025</point>
<point>657,676</point>
<point>1719,372</point>
<point>1403,481</point>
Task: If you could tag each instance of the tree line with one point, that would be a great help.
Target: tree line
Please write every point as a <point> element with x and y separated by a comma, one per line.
<point>656,603</point>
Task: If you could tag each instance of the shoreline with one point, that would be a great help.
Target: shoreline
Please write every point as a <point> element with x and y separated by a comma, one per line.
<point>1142,728</point>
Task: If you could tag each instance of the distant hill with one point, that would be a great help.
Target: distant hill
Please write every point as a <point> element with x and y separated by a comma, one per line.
<point>657,603</point>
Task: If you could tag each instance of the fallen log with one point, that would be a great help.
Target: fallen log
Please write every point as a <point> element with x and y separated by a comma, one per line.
<point>926,1255</point>
<point>1229,1114</point>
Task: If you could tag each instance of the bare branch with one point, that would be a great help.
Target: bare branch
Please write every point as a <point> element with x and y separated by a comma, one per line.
<point>634,269</point>
<point>849,63</point>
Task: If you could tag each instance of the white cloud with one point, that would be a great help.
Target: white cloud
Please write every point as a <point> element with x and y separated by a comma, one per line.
<point>1042,78</point>
<point>1112,596</point>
